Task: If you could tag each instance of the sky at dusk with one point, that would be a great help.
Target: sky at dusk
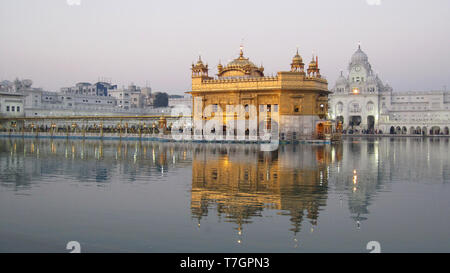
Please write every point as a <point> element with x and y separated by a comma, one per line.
<point>57,43</point>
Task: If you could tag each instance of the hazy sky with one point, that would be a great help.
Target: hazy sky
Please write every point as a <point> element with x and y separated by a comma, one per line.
<point>56,44</point>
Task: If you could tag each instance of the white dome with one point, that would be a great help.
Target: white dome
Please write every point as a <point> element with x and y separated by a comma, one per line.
<point>359,56</point>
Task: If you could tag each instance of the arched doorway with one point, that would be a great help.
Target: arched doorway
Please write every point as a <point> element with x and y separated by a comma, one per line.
<point>424,131</point>
<point>418,130</point>
<point>370,123</point>
<point>435,130</point>
<point>398,130</point>
<point>392,131</point>
<point>404,130</point>
<point>446,131</point>
<point>355,120</point>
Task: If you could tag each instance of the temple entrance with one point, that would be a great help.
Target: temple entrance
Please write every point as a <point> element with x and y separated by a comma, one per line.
<point>320,131</point>
<point>355,121</point>
<point>370,123</point>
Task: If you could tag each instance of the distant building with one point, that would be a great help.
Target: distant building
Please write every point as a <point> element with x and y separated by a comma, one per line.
<point>88,89</point>
<point>130,97</point>
<point>363,102</point>
<point>11,104</point>
<point>82,99</point>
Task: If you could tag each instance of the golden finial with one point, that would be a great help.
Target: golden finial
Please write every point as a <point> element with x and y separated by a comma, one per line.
<point>241,54</point>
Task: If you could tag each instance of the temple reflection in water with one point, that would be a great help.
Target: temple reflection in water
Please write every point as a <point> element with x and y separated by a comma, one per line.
<point>241,182</point>
<point>238,184</point>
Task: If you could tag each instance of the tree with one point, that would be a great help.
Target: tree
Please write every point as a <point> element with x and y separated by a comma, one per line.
<point>161,100</point>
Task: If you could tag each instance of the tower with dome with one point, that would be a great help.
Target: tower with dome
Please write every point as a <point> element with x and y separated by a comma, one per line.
<point>356,96</point>
<point>364,103</point>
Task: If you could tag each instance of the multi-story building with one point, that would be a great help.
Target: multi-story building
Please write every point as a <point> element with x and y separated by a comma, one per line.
<point>84,99</point>
<point>88,89</point>
<point>362,102</point>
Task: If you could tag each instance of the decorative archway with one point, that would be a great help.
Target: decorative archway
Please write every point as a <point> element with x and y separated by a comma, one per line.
<point>446,131</point>
<point>435,130</point>
<point>418,130</point>
<point>404,130</point>
<point>355,120</point>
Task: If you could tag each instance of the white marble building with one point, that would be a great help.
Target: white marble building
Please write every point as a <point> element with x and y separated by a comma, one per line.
<point>11,104</point>
<point>362,101</point>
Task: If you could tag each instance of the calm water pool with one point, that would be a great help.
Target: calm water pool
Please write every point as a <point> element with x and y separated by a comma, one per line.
<point>114,196</point>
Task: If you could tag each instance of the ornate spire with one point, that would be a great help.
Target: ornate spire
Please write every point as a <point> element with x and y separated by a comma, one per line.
<point>297,64</point>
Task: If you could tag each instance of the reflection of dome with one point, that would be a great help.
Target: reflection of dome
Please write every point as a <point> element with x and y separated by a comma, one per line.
<point>359,56</point>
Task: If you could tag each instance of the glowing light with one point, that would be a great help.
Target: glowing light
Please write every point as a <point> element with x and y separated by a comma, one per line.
<point>355,91</point>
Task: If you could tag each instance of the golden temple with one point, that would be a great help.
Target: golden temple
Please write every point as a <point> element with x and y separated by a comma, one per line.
<point>298,99</point>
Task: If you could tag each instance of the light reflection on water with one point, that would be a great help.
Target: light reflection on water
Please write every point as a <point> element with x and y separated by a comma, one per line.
<point>172,197</point>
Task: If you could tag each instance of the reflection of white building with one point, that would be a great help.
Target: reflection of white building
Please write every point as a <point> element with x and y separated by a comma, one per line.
<point>362,101</point>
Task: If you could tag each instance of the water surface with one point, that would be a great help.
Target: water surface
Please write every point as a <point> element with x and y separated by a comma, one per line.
<point>114,196</point>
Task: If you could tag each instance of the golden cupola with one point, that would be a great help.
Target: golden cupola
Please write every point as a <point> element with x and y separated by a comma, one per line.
<point>199,69</point>
<point>241,67</point>
<point>297,64</point>
<point>313,68</point>
<point>219,67</point>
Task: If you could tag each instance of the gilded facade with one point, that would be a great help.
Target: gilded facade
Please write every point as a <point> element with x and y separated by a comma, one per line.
<point>297,99</point>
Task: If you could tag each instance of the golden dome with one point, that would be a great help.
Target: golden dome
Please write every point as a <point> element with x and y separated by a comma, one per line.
<point>241,66</point>
<point>199,62</point>
<point>297,64</point>
<point>297,58</point>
